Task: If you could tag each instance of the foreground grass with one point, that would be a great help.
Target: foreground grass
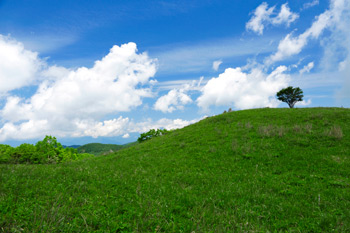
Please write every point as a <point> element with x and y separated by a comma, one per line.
<point>254,170</point>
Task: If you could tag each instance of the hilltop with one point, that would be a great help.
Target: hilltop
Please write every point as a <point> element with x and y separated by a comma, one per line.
<point>252,170</point>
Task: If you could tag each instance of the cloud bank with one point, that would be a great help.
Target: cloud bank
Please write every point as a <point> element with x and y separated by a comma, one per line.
<point>68,100</point>
<point>244,90</point>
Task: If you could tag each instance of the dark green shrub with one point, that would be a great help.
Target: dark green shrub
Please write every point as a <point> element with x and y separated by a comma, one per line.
<point>24,153</point>
<point>5,153</point>
<point>151,134</point>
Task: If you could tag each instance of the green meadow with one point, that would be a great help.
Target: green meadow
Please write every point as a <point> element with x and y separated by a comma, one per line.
<point>261,170</point>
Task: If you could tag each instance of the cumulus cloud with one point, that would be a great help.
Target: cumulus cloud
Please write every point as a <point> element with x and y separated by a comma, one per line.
<point>216,65</point>
<point>176,98</point>
<point>307,68</point>
<point>262,13</point>
<point>126,135</point>
<point>285,16</point>
<point>165,123</point>
<point>124,126</point>
<point>243,90</point>
<point>68,100</point>
<point>303,103</point>
<point>293,45</point>
<point>262,16</point>
<point>18,67</point>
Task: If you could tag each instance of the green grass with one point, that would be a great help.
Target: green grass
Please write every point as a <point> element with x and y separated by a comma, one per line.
<point>254,170</point>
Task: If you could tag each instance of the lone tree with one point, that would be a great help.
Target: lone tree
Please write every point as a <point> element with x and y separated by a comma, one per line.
<point>290,95</point>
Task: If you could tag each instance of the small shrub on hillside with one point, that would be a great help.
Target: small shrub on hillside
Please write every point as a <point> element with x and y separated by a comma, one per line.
<point>151,134</point>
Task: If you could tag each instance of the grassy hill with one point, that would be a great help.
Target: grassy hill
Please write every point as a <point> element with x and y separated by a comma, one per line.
<point>253,170</point>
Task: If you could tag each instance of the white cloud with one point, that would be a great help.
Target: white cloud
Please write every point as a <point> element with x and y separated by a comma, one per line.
<point>216,65</point>
<point>243,90</point>
<point>177,97</point>
<point>310,4</point>
<point>262,13</point>
<point>262,17</point>
<point>18,67</point>
<point>285,16</point>
<point>307,68</point>
<point>126,135</point>
<point>70,99</point>
<point>303,103</point>
<point>293,45</point>
<point>162,123</point>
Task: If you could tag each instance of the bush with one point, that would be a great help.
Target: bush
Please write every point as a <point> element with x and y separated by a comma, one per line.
<point>5,153</point>
<point>151,134</point>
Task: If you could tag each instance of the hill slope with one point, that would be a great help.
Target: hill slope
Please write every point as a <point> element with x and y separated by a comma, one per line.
<point>253,170</point>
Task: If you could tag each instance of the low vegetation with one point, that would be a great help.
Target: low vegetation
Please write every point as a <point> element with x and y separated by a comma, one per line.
<point>46,151</point>
<point>262,170</point>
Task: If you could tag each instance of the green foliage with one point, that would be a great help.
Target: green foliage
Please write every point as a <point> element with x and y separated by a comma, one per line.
<point>290,95</point>
<point>151,134</point>
<point>44,152</point>
<point>261,170</point>
<point>6,152</point>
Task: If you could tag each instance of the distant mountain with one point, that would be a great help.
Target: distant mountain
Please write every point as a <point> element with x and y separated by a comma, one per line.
<point>72,146</point>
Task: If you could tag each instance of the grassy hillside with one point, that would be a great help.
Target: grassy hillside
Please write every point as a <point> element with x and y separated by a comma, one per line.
<point>253,170</point>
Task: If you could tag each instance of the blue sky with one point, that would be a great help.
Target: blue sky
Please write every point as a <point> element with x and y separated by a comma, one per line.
<point>106,71</point>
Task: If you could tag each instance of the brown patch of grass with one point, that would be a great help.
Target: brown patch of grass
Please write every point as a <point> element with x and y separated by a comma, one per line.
<point>281,131</point>
<point>337,159</point>
<point>267,131</point>
<point>335,132</point>
<point>308,127</point>
<point>297,128</point>
<point>234,145</point>
<point>248,125</point>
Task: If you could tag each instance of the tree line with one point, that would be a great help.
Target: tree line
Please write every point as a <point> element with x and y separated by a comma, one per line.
<point>47,151</point>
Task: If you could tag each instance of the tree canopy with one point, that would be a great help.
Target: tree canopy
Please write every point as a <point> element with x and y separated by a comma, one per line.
<point>290,95</point>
